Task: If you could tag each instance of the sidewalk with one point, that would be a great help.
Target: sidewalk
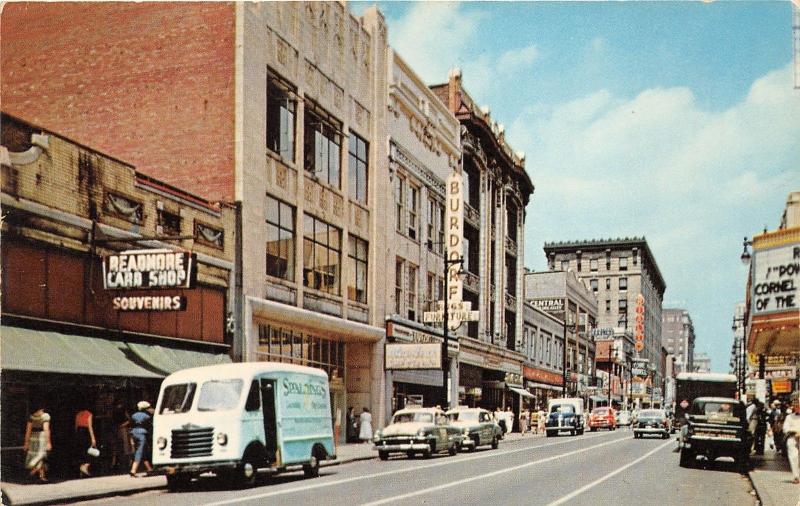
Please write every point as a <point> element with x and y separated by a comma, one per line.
<point>772,480</point>
<point>108,486</point>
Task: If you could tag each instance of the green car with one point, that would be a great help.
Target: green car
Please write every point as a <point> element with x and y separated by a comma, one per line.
<point>417,430</point>
<point>477,427</point>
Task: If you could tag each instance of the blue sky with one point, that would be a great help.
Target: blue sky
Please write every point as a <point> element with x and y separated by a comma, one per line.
<point>673,120</point>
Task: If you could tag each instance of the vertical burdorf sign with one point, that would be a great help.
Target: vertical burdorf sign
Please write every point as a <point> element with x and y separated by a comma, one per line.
<point>454,216</point>
<point>149,269</point>
<point>776,280</point>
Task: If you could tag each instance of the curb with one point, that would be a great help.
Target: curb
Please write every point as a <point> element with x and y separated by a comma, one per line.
<point>83,497</point>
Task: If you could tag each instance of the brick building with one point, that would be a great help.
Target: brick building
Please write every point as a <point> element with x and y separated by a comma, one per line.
<point>72,332</point>
<point>677,336</point>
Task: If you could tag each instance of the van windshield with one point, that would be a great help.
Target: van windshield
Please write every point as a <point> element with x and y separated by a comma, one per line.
<point>177,399</point>
<point>219,395</point>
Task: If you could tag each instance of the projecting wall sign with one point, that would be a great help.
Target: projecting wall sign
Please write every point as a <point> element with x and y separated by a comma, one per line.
<point>149,269</point>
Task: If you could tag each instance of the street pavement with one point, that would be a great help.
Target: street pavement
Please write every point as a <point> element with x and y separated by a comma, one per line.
<point>596,468</point>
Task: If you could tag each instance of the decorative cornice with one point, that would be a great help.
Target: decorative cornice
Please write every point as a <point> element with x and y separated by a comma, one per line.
<point>400,155</point>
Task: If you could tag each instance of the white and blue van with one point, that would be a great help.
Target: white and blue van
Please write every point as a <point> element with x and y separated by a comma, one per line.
<point>238,420</point>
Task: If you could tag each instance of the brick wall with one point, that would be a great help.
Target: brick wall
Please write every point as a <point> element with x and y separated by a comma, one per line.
<point>149,83</point>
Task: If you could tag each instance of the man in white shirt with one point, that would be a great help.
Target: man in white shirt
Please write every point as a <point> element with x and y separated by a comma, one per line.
<point>791,427</point>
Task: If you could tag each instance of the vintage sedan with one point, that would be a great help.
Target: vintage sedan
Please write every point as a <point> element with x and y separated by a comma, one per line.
<point>602,418</point>
<point>417,430</point>
<point>477,426</point>
<point>651,422</point>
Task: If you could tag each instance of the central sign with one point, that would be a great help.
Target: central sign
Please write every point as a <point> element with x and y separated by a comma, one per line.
<point>549,305</point>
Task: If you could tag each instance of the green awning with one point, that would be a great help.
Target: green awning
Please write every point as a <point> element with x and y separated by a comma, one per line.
<point>55,352</point>
<point>170,360</point>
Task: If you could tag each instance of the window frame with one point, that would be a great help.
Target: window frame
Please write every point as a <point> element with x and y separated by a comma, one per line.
<point>333,287</point>
<point>322,132</point>
<point>358,168</point>
<point>281,228</point>
<point>354,258</point>
<point>277,89</point>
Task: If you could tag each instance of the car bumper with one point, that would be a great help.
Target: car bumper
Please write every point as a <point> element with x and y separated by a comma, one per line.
<point>196,468</point>
<point>401,447</point>
<point>651,430</point>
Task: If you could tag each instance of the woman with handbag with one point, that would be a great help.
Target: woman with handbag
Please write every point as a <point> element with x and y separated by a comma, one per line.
<point>85,442</point>
<point>37,443</point>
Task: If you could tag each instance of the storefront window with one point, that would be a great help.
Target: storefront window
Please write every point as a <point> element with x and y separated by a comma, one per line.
<point>276,344</point>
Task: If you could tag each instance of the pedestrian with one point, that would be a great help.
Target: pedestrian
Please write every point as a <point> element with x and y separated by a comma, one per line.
<point>777,428</point>
<point>791,428</point>
<point>761,428</point>
<point>352,425</point>
<point>37,443</point>
<point>523,421</point>
<point>365,432</point>
<point>141,427</point>
<point>541,419</point>
<point>84,441</point>
<point>122,450</point>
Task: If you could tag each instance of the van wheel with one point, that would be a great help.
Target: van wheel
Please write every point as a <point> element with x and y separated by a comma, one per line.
<point>687,458</point>
<point>495,443</point>
<point>246,472</point>
<point>411,455</point>
<point>178,481</point>
<point>311,470</point>
<point>453,449</point>
<point>383,455</point>
<point>426,454</point>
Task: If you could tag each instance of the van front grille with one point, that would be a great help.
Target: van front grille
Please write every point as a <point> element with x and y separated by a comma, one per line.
<point>192,442</point>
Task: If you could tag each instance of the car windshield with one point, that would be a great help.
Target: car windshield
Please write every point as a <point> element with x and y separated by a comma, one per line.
<point>600,411</point>
<point>651,413</point>
<point>177,399</point>
<point>464,416</point>
<point>718,408</point>
<point>413,417</point>
<point>562,408</point>
<point>219,395</point>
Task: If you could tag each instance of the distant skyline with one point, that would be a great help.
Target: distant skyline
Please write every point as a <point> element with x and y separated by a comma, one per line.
<point>677,121</point>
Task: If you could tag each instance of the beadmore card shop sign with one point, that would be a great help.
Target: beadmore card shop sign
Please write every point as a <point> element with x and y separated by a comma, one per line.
<point>151,269</point>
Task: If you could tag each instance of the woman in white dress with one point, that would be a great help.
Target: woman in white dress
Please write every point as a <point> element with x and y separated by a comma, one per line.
<point>365,432</point>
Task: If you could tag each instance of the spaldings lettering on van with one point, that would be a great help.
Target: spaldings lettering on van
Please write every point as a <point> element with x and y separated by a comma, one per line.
<point>295,388</point>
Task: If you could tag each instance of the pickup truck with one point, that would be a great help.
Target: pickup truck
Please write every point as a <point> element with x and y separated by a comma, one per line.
<point>716,427</point>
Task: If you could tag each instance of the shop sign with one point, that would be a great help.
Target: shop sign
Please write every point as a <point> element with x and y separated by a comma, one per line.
<point>549,304</point>
<point>149,269</point>
<point>639,368</point>
<point>513,378</point>
<point>413,356</point>
<point>787,372</point>
<point>149,303</point>
<point>403,333</point>
<point>534,374</point>
<point>454,217</point>
<point>603,332</point>
<point>639,328</point>
<point>781,386</point>
<point>776,280</point>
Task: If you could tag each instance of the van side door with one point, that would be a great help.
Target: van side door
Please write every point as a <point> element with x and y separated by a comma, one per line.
<point>270,422</point>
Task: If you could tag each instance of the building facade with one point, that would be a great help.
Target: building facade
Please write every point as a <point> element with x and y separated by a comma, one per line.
<point>618,271</point>
<point>111,281</point>
<point>542,371</point>
<point>677,336</point>
<point>563,295</point>
<point>702,362</point>
<point>496,191</point>
<point>278,107</point>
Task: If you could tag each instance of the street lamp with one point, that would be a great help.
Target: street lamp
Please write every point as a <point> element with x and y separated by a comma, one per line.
<point>741,355</point>
<point>445,327</point>
<point>745,252</point>
<point>573,326</point>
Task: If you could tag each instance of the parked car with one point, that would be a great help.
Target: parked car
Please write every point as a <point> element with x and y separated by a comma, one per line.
<point>602,418</point>
<point>564,414</point>
<point>716,427</point>
<point>652,421</point>
<point>418,430</point>
<point>477,426</point>
<point>623,418</point>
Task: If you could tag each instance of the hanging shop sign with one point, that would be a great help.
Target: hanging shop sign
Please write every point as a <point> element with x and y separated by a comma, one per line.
<point>549,304</point>
<point>454,216</point>
<point>638,345</point>
<point>639,368</point>
<point>149,269</point>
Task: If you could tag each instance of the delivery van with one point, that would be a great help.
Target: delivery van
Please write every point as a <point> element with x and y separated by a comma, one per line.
<point>239,420</point>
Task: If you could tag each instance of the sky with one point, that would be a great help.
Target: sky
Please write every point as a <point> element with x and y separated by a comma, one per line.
<point>676,121</point>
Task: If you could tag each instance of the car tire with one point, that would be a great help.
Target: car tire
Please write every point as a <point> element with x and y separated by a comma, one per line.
<point>453,450</point>
<point>580,432</point>
<point>548,434</point>
<point>411,455</point>
<point>178,481</point>
<point>495,443</point>
<point>246,472</point>
<point>311,470</point>
<point>688,458</point>
<point>383,455</point>
<point>592,429</point>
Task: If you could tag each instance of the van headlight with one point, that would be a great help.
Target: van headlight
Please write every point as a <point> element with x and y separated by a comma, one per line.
<point>222,439</point>
<point>421,433</point>
<point>161,442</point>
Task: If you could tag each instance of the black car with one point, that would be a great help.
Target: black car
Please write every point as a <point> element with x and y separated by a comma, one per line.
<point>564,417</point>
<point>651,422</point>
<point>715,427</point>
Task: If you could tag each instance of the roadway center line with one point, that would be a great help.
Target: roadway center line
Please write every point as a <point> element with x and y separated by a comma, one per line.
<point>609,475</point>
<point>306,487</point>
<point>489,475</point>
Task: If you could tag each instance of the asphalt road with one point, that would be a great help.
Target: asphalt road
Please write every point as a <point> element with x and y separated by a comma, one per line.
<point>596,468</point>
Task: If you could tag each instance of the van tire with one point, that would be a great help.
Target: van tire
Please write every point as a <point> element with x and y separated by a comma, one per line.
<point>178,481</point>
<point>495,443</point>
<point>383,455</point>
<point>311,470</point>
<point>453,449</point>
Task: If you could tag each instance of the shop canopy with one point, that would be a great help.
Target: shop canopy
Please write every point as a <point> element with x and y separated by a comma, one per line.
<point>55,352</point>
<point>521,392</point>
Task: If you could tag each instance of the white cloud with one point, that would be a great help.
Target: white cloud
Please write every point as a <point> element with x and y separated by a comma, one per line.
<point>515,60</point>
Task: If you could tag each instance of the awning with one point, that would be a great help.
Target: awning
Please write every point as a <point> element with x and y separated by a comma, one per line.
<point>521,392</point>
<point>55,352</point>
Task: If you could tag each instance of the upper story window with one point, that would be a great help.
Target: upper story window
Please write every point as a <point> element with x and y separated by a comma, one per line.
<point>323,140</point>
<point>472,185</point>
<point>280,239</point>
<point>593,264</point>
<point>412,207</point>
<point>281,112</point>
<point>608,283</point>
<point>398,286</point>
<point>511,275</point>
<point>407,207</point>
<point>321,255</point>
<point>512,220</point>
<point>593,284</point>
<point>435,230</point>
<point>411,305</point>
<point>623,283</point>
<point>357,282</point>
<point>358,168</point>
<point>564,265</point>
<point>623,263</point>
<point>170,223</point>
